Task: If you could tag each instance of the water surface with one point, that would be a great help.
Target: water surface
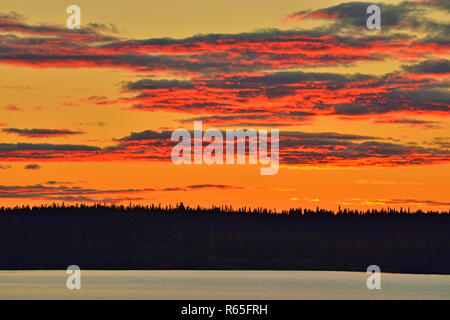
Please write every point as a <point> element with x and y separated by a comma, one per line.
<point>226,285</point>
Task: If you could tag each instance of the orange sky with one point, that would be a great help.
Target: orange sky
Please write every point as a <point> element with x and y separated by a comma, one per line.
<point>362,114</point>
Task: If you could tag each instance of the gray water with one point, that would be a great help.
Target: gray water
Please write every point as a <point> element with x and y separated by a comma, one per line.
<point>222,285</point>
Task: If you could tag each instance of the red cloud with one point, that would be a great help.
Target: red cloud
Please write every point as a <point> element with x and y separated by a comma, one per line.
<point>296,149</point>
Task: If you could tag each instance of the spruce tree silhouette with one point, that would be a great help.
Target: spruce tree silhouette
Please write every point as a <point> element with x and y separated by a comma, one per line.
<point>181,237</point>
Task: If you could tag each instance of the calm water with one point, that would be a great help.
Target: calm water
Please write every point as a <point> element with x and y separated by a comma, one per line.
<point>220,285</point>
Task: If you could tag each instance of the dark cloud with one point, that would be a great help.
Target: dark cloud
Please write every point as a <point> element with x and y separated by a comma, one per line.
<point>314,148</point>
<point>413,122</point>
<point>296,148</point>
<point>147,135</point>
<point>92,32</point>
<point>32,166</point>
<point>202,54</point>
<point>270,49</point>
<point>367,153</point>
<point>430,66</point>
<point>410,15</point>
<point>352,109</point>
<point>443,4</point>
<point>52,182</point>
<point>41,133</point>
<point>150,84</point>
<point>325,135</point>
<point>212,186</point>
<point>10,147</point>
<point>440,142</point>
<point>261,99</point>
<point>354,13</point>
<point>80,194</point>
<point>286,78</point>
<point>397,101</point>
<point>46,151</point>
<point>90,124</point>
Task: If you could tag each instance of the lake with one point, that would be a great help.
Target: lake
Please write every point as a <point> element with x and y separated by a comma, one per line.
<point>221,285</point>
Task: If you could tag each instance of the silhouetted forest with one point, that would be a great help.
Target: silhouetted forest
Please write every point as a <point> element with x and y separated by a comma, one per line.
<point>156,237</point>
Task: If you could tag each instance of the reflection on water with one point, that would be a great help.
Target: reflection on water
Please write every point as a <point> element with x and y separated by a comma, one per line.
<point>226,285</point>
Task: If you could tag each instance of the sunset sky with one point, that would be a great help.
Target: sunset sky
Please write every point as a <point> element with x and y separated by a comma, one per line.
<point>86,116</point>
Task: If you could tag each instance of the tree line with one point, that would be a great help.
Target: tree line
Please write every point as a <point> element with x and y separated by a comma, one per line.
<point>178,237</point>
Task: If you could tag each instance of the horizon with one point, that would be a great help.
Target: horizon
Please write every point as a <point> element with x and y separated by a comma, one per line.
<point>229,209</point>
